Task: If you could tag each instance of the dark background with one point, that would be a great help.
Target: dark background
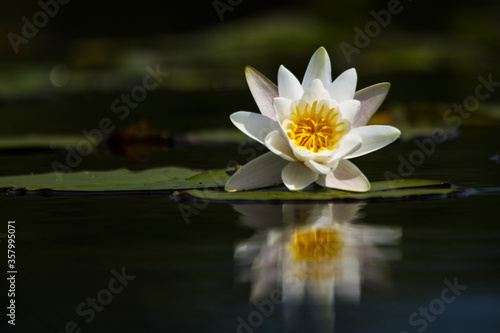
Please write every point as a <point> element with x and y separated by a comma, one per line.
<point>432,53</point>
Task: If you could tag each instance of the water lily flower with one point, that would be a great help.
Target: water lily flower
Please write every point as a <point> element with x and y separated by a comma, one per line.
<point>312,129</point>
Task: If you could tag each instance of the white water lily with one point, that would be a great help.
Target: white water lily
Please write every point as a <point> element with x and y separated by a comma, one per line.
<point>311,129</point>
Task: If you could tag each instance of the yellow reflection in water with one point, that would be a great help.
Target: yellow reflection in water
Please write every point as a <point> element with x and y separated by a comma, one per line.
<point>316,245</point>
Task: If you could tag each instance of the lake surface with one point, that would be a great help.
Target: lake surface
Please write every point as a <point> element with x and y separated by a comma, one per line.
<point>148,263</point>
<point>139,263</point>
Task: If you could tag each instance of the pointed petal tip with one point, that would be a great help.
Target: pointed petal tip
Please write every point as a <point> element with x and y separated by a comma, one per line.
<point>374,137</point>
<point>228,187</point>
<point>367,188</point>
<point>386,85</point>
<point>343,88</point>
<point>263,171</point>
<point>371,98</point>
<point>288,85</point>
<point>263,90</point>
<point>321,49</point>
<point>360,189</point>
<point>254,125</point>
<point>248,70</point>
<point>346,177</point>
<point>319,67</point>
<point>321,54</point>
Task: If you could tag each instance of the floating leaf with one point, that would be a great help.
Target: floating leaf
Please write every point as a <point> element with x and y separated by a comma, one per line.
<point>160,179</point>
<point>404,189</point>
<point>208,185</point>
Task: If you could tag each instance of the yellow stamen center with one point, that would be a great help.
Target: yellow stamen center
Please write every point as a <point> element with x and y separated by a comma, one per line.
<point>314,127</point>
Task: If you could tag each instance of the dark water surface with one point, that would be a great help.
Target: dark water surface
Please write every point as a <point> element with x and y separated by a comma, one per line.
<point>196,271</point>
<point>147,264</point>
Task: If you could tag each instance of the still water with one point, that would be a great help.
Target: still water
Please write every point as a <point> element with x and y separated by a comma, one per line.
<point>135,263</point>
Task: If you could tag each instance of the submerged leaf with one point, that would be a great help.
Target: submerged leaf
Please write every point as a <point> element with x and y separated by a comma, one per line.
<point>42,141</point>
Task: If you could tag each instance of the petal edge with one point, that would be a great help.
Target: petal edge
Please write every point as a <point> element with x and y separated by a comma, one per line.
<point>296,176</point>
<point>371,98</point>
<point>319,67</point>
<point>262,171</point>
<point>263,91</point>
<point>347,177</point>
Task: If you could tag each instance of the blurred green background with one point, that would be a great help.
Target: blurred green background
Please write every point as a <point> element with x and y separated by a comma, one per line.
<point>429,51</point>
<point>64,79</point>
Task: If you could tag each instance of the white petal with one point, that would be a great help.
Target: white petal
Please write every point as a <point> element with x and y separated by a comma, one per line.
<point>276,143</point>
<point>349,144</point>
<point>370,98</point>
<point>344,86</point>
<point>349,109</point>
<point>306,155</point>
<point>262,171</point>
<point>263,91</point>
<point>288,85</point>
<point>373,138</point>
<point>254,125</point>
<point>319,68</point>
<point>345,177</point>
<point>282,107</point>
<point>315,92</point>
<point>317,167</point>
<point>301,155</point>
<point>296,176</point>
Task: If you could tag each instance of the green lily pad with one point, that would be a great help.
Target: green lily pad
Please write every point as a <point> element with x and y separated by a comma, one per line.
<point>160,179</point>
<point>403,189</point>
<point>207,185</point>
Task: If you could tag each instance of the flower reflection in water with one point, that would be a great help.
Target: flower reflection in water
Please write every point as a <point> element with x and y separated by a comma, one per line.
<point>314,254</point>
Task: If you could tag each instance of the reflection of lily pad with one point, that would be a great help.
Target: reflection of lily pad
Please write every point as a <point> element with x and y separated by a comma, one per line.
<point>404,189</point>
